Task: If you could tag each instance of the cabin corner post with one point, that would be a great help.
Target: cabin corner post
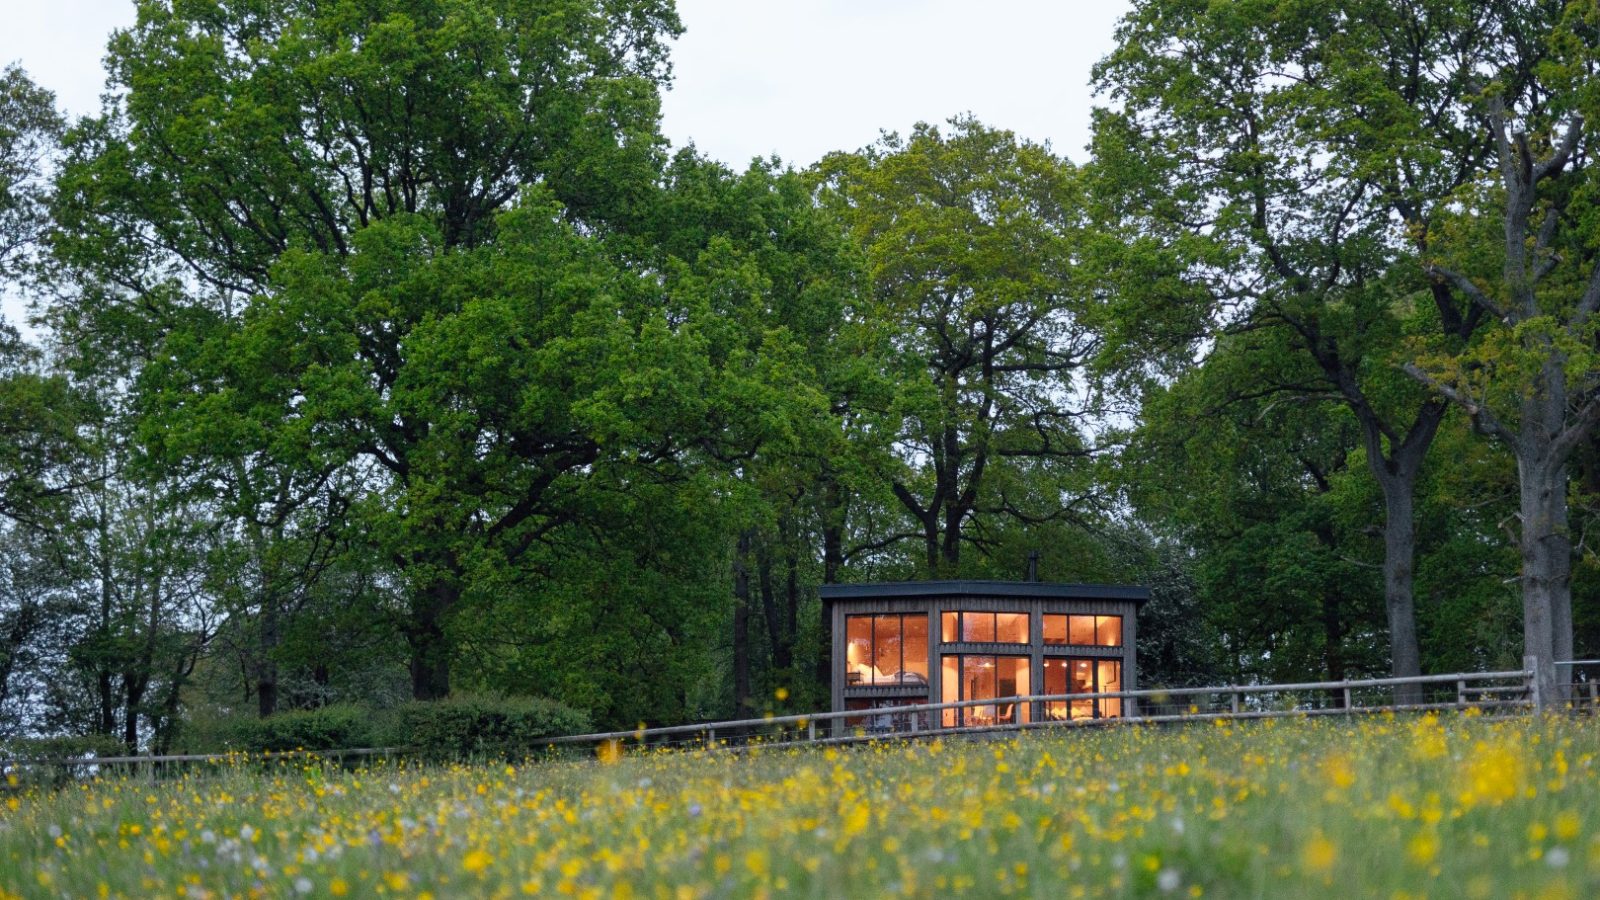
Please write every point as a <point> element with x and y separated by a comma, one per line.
<point>1130,658</point>
<point>1036,659</point>
<point>836,675</point>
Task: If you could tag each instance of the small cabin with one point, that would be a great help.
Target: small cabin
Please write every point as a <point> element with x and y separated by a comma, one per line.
<point>908,643</point>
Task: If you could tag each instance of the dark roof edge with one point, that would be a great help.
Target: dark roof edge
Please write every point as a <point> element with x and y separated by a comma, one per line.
<point>1035,589</point>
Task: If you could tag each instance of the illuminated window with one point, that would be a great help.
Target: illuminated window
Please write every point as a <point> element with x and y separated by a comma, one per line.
<point>1108,631</point>
<point>1080,631</point>
<point>1083,676</point>
<point>1011,628</point>
<point>883,718</point>
<point>1055,629</point>
<point>977,627</point>
<point>983,677</point>
<point>887,649</point>
<point>985,627</point>
<point>1083,631</point>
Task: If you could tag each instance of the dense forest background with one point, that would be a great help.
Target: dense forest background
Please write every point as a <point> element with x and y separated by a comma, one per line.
<point>383,350</point>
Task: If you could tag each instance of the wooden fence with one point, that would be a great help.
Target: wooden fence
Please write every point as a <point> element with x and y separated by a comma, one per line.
<point>1512,691</point>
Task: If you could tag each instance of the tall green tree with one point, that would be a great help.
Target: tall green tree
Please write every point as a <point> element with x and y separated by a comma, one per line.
<point>315,191</point>
<point>1521,245</point>
<point>1303,162</point>
<point>1239,465</point>
<point>969,242</point>
<point>790,281</point>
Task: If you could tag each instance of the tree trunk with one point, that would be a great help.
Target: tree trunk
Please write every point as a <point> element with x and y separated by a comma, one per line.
<point>1333,637</point>
<point>430,648</point>
<point>130,714</point>
<point>950,549</point>
<point>832,565</point>
<point>1546,571</point>
<point>1396,469</point>
<point>103,675</point>
<point>107,724</point>
<point>165,727</point>
<point>776,618</point>
<point>791,605</point>
<point>266,665</point>
<point>741,625</point>
<point>1399,554</point>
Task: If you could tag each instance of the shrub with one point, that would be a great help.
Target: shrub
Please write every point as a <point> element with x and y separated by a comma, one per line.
<point>476,727</point>
<point>69,747</point>
<point>17,758</point>
<point>337,727</point>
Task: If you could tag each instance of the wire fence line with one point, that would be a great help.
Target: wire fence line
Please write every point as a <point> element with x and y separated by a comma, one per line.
<point>1506,691</point>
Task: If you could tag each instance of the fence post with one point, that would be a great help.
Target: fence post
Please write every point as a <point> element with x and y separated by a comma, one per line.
<point>1461,693</point>
<point>1235,701</point>
<point>1531,672</point>
<point>1347,703</point>
<point>811,730</point>
<point>711,738</point>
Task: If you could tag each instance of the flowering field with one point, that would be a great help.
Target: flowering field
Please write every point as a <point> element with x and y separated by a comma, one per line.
<point>1442,807</point>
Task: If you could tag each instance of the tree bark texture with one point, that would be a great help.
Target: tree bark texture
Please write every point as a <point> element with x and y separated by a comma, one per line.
<point>430,648</point>
<point>741,624</point>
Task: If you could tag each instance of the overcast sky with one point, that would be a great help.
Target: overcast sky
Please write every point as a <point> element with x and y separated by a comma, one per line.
<point>759,77</point>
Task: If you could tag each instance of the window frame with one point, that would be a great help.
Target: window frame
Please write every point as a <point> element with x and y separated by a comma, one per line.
<point>1065,663</point>
<point>956,718</point>
<point>961,626</point>
<point>872,650</point>
<point>1067,618</point>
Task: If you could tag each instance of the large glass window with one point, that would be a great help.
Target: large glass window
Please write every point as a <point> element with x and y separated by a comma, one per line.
<point>987,627</point>
<point>983,677</point>
<point>1083,631</point>
<point>1082,676</point>
<point>882,718</point>
<point>886,649</point>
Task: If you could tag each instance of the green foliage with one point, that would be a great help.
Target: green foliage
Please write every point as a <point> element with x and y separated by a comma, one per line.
<point>40,441</point>
<point>61,747</point>
<point>467,726</point>
<point>16,753</point>
<point>338,727</point>
<point>30,128</point>
<point>1257,483</point>
<point>969,236</point>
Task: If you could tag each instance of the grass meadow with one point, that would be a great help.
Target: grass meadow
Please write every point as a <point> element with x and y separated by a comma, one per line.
<point>1433,806</point>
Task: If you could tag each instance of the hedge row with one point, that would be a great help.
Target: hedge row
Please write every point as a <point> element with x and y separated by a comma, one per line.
<point>462,727</point>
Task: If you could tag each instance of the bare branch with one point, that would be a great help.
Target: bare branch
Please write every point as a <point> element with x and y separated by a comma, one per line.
<point>1483,419</point>
<point>1464,284</point>
<point>1547,232</point>
<point>1590,301</point>
<point>1578,430</point>
<point>1557,160</point>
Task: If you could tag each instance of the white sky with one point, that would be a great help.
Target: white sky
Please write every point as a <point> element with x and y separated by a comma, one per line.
<point>758,77</point>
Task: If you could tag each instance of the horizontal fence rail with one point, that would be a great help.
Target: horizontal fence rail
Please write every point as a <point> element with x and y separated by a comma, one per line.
<point>1581,679</point>
<point>1482,690</point>
<point>90,764</point>
<point>1488,691</point>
